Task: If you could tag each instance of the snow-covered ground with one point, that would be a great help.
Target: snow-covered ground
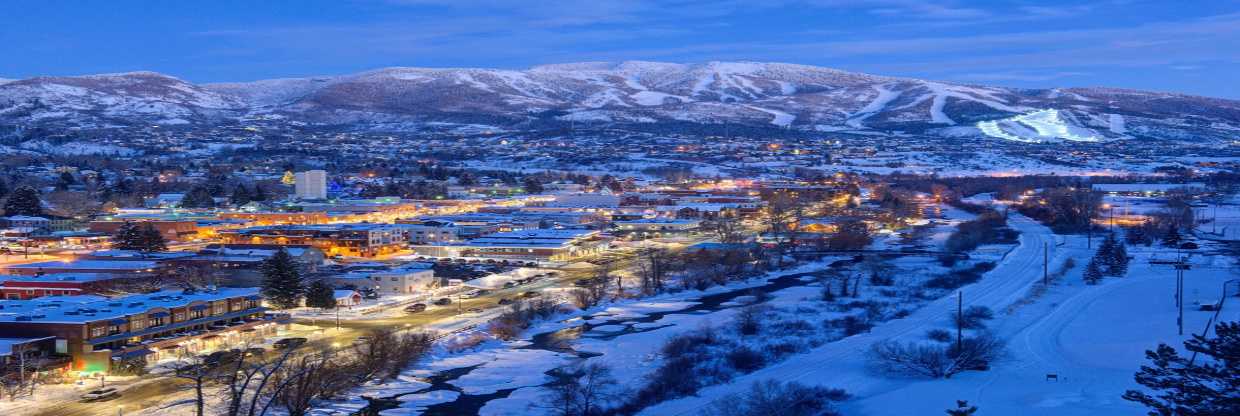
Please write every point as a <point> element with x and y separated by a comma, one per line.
<point>1092,337</point>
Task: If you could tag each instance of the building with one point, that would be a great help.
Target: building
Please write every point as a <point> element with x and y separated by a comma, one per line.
<point>359,240</point>
<point>277,217</point>
<point>407,279</point>
<point>126,267</point>
<point>100,333</point>
<point>57,284</point>
<point>310,184</point>
<point>656,227</point>
<point>531,245</point>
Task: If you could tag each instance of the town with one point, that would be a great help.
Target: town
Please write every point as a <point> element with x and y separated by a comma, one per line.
<point>619,208</point>
<point>127,284</point>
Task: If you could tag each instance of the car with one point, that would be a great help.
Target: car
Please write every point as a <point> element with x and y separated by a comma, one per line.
<point>474,310</point>
<point>471,294</point>
<point>415,308</point>
<point>510,284</point>
<point>505,301</point>
<point>100,394</point>
<point>583,282</point>
<point>288,343</point>
<point>443,301</point>
<point>531,294</point>
<point>221,357</point>
<point>361,340</point>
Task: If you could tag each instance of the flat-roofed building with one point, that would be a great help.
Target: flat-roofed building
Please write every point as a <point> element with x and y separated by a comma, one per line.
<point>534,245</point>
<point>359,240</point>
<point>99,333</point>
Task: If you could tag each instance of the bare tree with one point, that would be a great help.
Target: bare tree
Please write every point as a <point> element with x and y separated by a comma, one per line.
<point>585,391</point>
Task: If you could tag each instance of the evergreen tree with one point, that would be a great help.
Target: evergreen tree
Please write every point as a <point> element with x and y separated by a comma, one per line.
<point>4,188</point>
<point>282,282</point>
<point>259,194</point>
<point>1205,387</point>
<point>1105,256</point>
<point>1119,263</point>
<point>23,201</point>
<point>532,185</point>
<point>150,240</point>
<point>240,196</point>
<point>1172,237</point>
<point>127,237</point>
<point>320,295</point>
<point>66,179</point>
<point>1093,273</point>
<point>962,409</point>
<point>198,197</point>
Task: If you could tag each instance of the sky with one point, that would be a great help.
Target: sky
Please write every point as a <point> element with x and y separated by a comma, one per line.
<point>1180,46</point>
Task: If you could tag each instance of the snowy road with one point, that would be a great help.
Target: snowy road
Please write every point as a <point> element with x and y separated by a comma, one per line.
<point>842,363</point>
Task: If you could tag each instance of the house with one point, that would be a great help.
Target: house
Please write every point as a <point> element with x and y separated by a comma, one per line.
<point>346,298</point>
<point>359,240</point>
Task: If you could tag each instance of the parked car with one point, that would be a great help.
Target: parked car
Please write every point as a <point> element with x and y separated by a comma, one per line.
<point>443,301</point>
<point>221,357</point>
<point>100,394</point>
<point>583,282</point>
<point>472,294</point>
<point>531,294</point>
<point>474,310</point>
<point>505,301</point>
<point>288,343</point>
<point>415,308</point>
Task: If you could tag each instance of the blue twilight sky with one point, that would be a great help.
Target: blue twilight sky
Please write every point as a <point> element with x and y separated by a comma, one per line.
<point>1185,46</point>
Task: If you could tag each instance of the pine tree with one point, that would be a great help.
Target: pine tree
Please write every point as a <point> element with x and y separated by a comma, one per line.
<point>1119,262</point>
<point>150,240</point>
<point>127,237</point>
<point>1207,386</point>
<point>1093,273</point>
<point>320,295</point>
<point>259,194</point>
<point>240,196</point>
<point>23,201</point>
<point>532,185</point>
<point>1172,238</point>
<point>4,188</point>
<point>282,282</point>
<point>198,197</point>
<point>962,409</point>
<point>1105,256</point>
<point>66,179</point>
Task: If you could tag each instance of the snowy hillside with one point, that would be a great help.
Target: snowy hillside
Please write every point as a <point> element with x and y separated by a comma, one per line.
<point>773,95</point>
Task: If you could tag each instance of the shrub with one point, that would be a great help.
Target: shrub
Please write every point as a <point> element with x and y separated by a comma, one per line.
<point>940,335</point>
<point>770,397</point>
<point>935,361</point>
<point>745,359</point>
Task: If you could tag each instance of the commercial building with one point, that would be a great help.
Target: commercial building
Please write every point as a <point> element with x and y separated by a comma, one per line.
<point>100,333</point>
<point>359,240</point>
<point>533,245</point>
<point>311,184</point>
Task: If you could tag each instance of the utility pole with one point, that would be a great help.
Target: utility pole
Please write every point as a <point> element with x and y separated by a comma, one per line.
<point>1045,263</point>
<point>960,321</point>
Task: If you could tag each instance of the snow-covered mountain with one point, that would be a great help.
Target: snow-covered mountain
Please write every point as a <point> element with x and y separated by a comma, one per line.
<point>749,93</point>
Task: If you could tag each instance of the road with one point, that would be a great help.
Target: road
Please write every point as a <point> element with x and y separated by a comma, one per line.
<point>843,363</point>
<point>157,391</point>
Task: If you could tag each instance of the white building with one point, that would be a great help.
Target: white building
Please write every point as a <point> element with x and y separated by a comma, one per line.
<point>405,280</point>
<point>311,184</point>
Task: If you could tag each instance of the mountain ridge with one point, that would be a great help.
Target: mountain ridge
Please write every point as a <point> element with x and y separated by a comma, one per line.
<point>776,95</point>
